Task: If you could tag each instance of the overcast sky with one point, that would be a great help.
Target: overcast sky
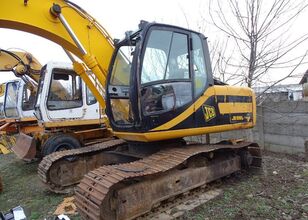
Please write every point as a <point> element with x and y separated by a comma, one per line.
<point>119,17</point>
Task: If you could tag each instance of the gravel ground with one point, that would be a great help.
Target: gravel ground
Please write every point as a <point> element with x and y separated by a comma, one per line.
<point>277,191</point>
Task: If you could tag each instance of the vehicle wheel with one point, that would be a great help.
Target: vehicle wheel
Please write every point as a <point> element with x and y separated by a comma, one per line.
<point>60,142</point>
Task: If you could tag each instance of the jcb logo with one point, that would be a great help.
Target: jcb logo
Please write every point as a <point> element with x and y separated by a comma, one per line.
<point>209,112</point>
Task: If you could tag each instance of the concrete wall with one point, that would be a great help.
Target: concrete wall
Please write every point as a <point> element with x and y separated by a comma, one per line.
<point>281,127</point>
<point>285,126</point>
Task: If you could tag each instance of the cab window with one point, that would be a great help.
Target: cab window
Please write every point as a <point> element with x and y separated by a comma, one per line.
<point>28,97</point>
<point>90,97</point>
<point>200,75</point>
<point>65,90</point>
<point>165,75</point>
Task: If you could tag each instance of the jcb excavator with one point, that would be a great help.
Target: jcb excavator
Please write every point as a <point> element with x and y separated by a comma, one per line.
<point>159,89</point>
<point>70,113</point>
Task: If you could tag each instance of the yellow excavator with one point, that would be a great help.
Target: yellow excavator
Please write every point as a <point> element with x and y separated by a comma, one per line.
<point>158,88</point>
<point>69,112</point>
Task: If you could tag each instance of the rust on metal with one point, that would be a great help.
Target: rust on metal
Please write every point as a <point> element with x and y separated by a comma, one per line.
<point>31,129</point>
<point>94,133</point>
<point>4,126</point>
<point>110,192</point>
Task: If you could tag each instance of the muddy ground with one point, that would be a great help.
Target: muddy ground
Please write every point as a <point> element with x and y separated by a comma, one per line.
<point>278,191</point>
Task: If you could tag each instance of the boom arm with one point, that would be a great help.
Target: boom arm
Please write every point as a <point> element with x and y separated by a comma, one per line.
<point>21,63</point>
<point>35,17</point>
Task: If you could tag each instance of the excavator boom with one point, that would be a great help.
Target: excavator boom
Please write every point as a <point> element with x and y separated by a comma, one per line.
<point>159,88</point>
<point>20,63</point>
<point>35,17</point>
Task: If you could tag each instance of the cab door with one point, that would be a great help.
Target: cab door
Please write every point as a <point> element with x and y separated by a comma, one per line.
<point>166,80</point>
<point>205,107</point>
<point>26,100</point>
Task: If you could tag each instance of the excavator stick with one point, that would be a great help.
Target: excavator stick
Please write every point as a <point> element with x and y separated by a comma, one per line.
<point>25,147</point>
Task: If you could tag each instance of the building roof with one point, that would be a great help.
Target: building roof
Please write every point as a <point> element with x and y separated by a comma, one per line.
<point>279,88</point>
<point>305,78</point>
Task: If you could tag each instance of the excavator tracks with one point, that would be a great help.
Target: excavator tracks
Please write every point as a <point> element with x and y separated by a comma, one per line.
<point>126,191</point>
<point>62,170</point>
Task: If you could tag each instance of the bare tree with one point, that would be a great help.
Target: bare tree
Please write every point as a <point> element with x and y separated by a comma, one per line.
<point>259,31</point>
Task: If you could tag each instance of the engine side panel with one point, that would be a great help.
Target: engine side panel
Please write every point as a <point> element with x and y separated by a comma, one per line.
<point>220,108</point>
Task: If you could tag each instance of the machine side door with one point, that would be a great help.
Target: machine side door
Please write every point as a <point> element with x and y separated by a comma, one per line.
<point>26,100</point>
<point>205,105</point>
<point>64,96</point>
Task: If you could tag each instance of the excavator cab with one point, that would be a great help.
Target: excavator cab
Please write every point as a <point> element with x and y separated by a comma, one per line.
<point>67,97</point>
<point>160,86</point>
<point>19,100</point>
<point>157,72</point>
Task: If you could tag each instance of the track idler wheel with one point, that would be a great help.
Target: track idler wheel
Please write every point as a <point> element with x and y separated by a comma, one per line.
<point>246,159</point>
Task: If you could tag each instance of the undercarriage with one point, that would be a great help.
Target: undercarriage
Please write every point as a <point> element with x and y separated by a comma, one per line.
<point>127,180</point>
